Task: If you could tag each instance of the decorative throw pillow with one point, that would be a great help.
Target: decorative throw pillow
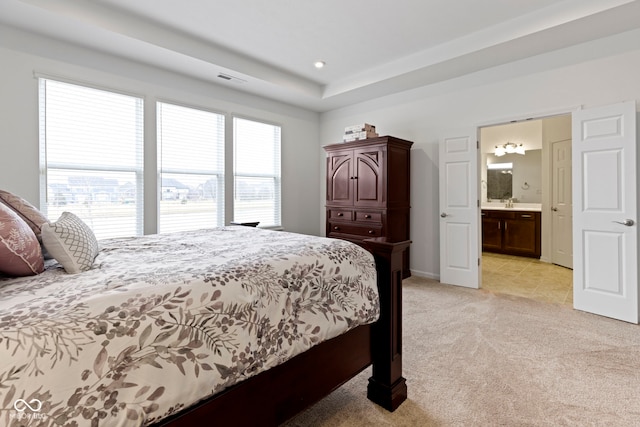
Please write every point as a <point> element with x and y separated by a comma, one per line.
<point>71,242</point>
<point>32,216</point>
<point>20,253</point>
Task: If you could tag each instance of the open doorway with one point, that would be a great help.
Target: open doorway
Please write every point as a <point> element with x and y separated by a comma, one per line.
<point>604,194</point>
<point>526,201</point>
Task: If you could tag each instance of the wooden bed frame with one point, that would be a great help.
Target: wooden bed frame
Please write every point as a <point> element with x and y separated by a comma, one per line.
<point>274,396</point>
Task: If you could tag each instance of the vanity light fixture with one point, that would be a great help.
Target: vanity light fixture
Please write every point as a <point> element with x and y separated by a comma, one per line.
<point>493,166</point>
<point>509,148</point>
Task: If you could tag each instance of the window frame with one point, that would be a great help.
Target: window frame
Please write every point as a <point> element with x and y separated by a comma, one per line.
<point>221,174</point>
<point>146,170</point>
<point>45,165</point>
<point>277,177</point>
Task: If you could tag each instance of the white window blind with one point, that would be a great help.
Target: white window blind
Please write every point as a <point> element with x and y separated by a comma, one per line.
<point>92,157</point>
<point>256,172</point>
<point>191,163</point>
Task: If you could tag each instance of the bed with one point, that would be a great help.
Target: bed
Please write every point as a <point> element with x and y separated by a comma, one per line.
<point>193,328</point>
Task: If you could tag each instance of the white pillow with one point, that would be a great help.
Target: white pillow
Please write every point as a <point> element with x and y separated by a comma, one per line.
<point>71,242</point>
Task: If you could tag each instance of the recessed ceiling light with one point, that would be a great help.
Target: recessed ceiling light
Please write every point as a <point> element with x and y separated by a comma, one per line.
<point>319,64</point>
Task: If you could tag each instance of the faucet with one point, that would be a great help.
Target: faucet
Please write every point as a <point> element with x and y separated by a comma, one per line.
<point>509,203</point>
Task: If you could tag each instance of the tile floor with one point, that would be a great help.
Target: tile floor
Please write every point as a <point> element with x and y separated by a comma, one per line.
<point>527,277</point>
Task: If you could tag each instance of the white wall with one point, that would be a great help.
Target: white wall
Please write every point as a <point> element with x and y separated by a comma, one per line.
<point>23,54</point>
<point>601,72</point>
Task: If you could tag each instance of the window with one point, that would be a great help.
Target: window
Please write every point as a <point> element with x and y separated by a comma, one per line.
<point>191,168</point>
<point>256,172</point>
<point>91,157</point>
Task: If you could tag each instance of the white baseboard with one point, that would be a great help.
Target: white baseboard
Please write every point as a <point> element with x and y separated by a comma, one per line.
<point>425,274</point>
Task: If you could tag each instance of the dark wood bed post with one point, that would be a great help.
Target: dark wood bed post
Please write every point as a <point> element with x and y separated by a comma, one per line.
<point>387,387</point>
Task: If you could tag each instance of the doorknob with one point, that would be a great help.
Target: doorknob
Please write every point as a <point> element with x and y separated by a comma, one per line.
<point>554,209</point>
<point>443,215</point>
<point>627,222</point>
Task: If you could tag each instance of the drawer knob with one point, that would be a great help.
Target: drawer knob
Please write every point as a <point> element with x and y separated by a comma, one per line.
<point>367,216</point>
<point>372,232</point>
<point>336,228</point>
<point>340,214</point>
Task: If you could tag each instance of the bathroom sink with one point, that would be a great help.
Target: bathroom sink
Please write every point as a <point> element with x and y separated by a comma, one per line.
<point>536,207</point>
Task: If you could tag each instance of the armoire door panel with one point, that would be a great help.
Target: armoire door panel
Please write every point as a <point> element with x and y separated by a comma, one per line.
<point>367,186</point>
<point>341,177</point>
<point>369,176</point>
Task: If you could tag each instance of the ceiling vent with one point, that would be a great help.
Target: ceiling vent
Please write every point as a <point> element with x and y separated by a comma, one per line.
<point>229,78</point>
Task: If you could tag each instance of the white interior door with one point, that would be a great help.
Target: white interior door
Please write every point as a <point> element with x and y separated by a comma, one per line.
<point>561,204</point>
<point>605,233</point>
<point>459,211</point>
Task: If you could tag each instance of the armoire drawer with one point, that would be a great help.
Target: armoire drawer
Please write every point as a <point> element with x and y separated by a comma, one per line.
<point>341,214</point>
<point>357,230</point>
<point>372,217</point>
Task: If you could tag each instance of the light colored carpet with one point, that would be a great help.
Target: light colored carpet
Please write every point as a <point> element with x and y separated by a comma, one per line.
<point>473,358</point>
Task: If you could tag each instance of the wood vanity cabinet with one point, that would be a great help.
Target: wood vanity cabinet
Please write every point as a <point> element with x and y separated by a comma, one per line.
<point>368,190</point>
<point>511,232</point>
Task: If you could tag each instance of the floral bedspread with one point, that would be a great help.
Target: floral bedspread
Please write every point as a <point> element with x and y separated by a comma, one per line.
<point>163,321</point>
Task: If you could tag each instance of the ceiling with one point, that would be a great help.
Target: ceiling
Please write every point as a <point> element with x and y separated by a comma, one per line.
<point>372,48</point>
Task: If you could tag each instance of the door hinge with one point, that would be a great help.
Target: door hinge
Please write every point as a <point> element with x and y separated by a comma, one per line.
<point>477,145</point>
<point>478,262</point>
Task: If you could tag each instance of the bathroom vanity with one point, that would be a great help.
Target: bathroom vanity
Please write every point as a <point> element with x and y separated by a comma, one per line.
<point>514,231</point>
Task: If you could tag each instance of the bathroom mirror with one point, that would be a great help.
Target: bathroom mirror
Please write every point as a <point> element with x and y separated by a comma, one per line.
<point>499,181</point>
<point>522,182</point>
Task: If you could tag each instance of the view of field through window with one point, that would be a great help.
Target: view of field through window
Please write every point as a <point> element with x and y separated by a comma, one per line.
<point>92,163</point>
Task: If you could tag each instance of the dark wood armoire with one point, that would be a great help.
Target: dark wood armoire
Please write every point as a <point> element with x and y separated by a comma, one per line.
<point>368,190</point>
